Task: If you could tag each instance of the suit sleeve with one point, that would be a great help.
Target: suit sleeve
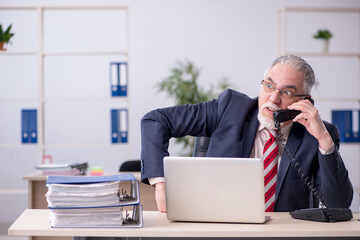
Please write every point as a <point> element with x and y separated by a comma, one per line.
<point>158,126</point>
<point>335,185</point>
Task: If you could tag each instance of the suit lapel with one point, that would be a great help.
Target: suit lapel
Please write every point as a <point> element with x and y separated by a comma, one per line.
<point>293,142</point>
<point>249,132</point>
<point>250,129</point>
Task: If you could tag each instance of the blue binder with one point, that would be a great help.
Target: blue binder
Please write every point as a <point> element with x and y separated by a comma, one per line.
<point>343,120</point>
<point>355,126</point>
<point>33,126</point>
<point>134,193</point>
<point>79,196</point>
<point>119,125</point>
<point>123,72</point>
<point>90,179</point>
<point>118,79</point>
<point>28,126</point>
<point>114,126</point>
<point>24,126</point>
<point>123,130</point>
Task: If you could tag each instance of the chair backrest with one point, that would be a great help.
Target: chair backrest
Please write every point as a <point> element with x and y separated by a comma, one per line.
<point>130,166</point>
<point>201,145</point>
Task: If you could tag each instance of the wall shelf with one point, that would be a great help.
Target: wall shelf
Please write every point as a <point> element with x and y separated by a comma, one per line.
<point>309,54</point>
<point>42,17</point>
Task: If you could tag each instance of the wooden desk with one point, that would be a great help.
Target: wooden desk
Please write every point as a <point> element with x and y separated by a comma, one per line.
<point>37,190</point>
<point>35,222</point>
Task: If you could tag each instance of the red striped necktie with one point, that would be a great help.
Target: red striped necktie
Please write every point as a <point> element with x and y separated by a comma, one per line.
<point>270,156</point>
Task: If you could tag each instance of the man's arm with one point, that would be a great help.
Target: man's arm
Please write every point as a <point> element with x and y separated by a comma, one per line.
<point>159,184</point>
<point>333,180</point>
<point>158,126</point>
<point>332,177</point>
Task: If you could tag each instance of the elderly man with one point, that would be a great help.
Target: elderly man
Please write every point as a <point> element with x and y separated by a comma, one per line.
<point>240,126</point>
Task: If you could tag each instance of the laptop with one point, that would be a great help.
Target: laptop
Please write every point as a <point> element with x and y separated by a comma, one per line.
<point>214,189</point>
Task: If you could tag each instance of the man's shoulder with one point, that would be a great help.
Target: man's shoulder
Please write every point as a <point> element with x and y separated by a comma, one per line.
<point>231,101</point>
<point>233,95</point>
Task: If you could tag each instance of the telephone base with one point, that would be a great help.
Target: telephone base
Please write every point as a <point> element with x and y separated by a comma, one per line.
<point>322,215</point>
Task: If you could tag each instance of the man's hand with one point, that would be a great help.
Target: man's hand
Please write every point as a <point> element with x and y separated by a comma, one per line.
<point>310,118</point>
<point>160,196</point>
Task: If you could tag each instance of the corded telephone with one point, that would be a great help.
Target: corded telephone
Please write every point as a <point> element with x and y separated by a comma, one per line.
<point>323,214</point>
<point>286,114</point>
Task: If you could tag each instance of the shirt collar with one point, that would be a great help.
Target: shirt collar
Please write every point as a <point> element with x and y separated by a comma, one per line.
<point>284,130</point>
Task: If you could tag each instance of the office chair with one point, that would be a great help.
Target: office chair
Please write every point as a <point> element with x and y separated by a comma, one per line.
<point>201,145</point>
<point>130,166</point>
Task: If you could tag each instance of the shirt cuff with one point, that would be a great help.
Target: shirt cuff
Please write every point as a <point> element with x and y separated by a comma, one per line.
<point>329,151</point>
<point>156,180</point>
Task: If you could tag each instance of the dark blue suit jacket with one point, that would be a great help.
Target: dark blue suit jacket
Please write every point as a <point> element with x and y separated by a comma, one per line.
<point>231,122</point>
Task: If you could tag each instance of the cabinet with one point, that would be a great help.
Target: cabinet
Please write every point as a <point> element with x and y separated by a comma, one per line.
<point>337,71</point>
<point>59,64</point>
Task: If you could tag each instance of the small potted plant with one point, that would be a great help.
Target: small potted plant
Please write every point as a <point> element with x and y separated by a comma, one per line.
<point>323,36</point>
<point>5,36</point>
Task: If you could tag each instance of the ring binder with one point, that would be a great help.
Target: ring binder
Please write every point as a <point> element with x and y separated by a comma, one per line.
<point>119,125</point>
<point>28,126</point>
<point>114,126</point>
<point>118,79</point>
<point>348,123</point>
<point>123,116</point>
<point>94,201</point>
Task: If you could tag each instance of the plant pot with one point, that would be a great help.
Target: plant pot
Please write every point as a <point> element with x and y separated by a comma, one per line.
<point>2,46</point>
<point>323,45</point>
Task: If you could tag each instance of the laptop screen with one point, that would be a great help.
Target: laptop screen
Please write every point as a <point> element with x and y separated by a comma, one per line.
<point>213,189</point>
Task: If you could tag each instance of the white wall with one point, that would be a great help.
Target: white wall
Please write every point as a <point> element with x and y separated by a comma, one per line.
<point>233,38</point>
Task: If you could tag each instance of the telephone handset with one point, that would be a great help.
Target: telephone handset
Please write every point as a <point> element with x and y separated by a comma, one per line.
<point>286,114</point>
<point>323,214</point>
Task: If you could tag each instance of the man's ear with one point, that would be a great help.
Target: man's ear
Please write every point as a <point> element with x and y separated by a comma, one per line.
<point>307,97</point>
<point>310,99</point>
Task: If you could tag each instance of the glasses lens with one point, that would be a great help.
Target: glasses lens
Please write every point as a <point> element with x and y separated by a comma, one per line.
<point>268,86</point>
<point>288,93</point>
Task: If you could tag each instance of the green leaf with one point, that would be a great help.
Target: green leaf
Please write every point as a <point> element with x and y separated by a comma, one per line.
<point>7,35</point>
<point>1,34</point>
<point>323,34</point>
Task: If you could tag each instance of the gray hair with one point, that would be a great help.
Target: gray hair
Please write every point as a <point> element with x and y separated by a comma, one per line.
<point>298,64</point>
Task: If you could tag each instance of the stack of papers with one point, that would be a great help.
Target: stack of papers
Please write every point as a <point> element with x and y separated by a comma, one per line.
<point>94,201</point>
<point>94,217</point>
<point>63,169</point>
<point>83,195</point>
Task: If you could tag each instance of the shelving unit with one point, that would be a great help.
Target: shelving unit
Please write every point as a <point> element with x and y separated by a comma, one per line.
<point>282,26</point>
<point>282,40</point>
<point>283,19</point>
<point>27,80</point>
<point>328,102</point>
<point>42,54</point>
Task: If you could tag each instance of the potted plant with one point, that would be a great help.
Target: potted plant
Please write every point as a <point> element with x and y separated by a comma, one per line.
<point>182,85</point>
<point>323,36</point>
<point>5,36</point>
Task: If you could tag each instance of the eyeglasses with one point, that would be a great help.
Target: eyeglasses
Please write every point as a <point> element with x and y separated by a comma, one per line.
<point>288,93</point>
